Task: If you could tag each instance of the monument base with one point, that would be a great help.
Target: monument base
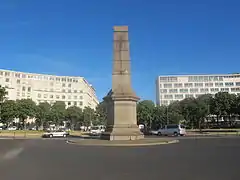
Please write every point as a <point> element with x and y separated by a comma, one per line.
<point>119,133</point>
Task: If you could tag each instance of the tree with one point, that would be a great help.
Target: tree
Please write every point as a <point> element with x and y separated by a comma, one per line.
<point>8,111</point>
<point>3,94</point>
<point>145,110</point>
<point>174,114</point>
<point>101,113</point>
<point>74,115</point>
<point>26,108</point>
<point>42,114</point>
<point>89,116</point>
<point>159,117</point>
<point>57,113</point>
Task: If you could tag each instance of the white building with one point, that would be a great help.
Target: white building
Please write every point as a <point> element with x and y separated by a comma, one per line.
<point>48,88</point>
<point>172,88</point>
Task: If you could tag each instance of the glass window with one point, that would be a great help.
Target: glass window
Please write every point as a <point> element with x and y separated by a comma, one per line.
<point>80,97</point>
<point>39,95</point>
<point>51,96</point>
<point>57,96</point>
<point>189,96</point>
<point>183,90</point>
<point>81,91</point>
<point>29,89</point>
<point>63,97</point>
<point>229,84</point>
<point>75,97</point>
<point>69,97</point>
<point>18,81</point>
<point>163,90</point>
<point>45,95</point>
<point>218,84</point>
<point>198,84</point>
<point>193,90</point>
<point>69,103</point>
<point>7,79</point>
<point>178,85</point>
<point>80,103</point>
<point>188,85</point>
<point>69,85</point>
<point>69,90</point>
<point>63,90</point>
<point>237,83</point>
<point>23,88</point>
<point>173,90</point>
<point>179,96</point>
<point>167,85</point>
<point>168,96</point>
<point>75,103</point>
<point>63,85</point>
<point>225,89</point>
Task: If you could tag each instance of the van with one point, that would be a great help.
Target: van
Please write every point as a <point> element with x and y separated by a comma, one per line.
<point>172,129</point>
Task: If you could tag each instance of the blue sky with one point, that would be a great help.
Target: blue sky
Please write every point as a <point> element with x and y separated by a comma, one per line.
<point>74,37</point>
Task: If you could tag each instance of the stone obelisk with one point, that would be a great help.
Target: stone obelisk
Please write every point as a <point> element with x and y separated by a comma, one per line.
<point>121,100</point>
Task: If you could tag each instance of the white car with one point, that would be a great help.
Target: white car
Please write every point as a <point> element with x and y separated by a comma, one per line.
<point>13,128</point>
<point>58,133</point>
<point>171,129</point>
<point>97,130</point>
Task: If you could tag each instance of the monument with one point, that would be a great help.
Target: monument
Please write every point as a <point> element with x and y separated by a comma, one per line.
<point>121,100</point>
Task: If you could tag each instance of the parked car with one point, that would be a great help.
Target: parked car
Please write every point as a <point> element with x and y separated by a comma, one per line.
<point>97,130</point>
<point>13,128</point>
<point>58,133</point>
<point>171,129</point>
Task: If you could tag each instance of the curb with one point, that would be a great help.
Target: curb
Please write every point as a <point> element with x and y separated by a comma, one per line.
<point>124,145</point>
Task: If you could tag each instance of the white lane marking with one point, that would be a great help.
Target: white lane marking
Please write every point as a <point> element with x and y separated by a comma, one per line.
<point>12,153</point>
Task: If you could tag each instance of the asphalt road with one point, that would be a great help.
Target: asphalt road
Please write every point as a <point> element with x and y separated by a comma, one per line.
<point>191,159</point>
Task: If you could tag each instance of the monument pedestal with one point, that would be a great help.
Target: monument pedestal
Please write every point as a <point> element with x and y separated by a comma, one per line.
<point>122,118</point>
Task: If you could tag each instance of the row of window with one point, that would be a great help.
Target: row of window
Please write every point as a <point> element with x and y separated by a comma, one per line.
<point>189,85</point>
<point>58,96</point>
<point>198,78</point>
<point>196,90</point>
<point>68,103</point>
<point>39,77</point>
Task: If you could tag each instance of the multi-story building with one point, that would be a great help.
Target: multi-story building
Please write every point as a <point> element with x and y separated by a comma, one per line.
<point>172,88</point>
<point>48,88</point>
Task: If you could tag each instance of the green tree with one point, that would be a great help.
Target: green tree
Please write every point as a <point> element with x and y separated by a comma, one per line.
<point>222,104</point>
<point>42,114</point>
<point>57,113</point>
<point>159,117</point>
<point>8,111</point>
<point>3,94</point>
<point>89,116</point>
<point>26,108</point>
<point>174,114</point>
<point>101,113</point>
<point>145,112</point>
<point>74,115</point>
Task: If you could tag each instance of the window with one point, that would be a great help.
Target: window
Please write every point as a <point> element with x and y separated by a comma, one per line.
<point>178,85</point>
<point>225,89</point>
<point>18,93</point>
<point>204,90</point>
<point>75,103</point>
<point>69,85</point>
<point>64,79</point>
<point>18,81</point>
<point>188,85</point>
<point>69,90</point>
<point>237,83</point>
<point>188,96</point>
<point>193,90</point>
<point>45,95</point>
<point>183,90</point>
<point>69,97</point>
<point>57,79</point>
<point>63,97</point>
<point>235,89</point>
<point>229,84</point>
<point>23,88</point>
<point>80,103</point>
<point>23,94</point>
<point>81,91</point>
<point>7,79</point>
<point>57,97</point>
<point>198,84</point>
<point>63,85</point>
<point>75,97</point>
<point>7,73</point>
<point>208,84</point>
<point>51,84</point>
<point>173,90</point>
<point>75,91</point>
<point>163,90</point>
<point>39,95</point>
<point>80,97</point>
<point>1,73</point>
<point>219,84</point>
<point>63,90</point>
<point>69,103</point>
<point>168,96</point>
<point>51,96</point>
<point>167,85</point>
<point>179,96</point>
<point>214,89</point>
<point>29,89</point>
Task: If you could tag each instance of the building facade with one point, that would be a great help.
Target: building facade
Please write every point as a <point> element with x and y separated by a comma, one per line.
<point>173,88</point>
<point>74,91</point>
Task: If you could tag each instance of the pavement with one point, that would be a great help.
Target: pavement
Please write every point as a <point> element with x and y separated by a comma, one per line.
<point>190,159</point>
